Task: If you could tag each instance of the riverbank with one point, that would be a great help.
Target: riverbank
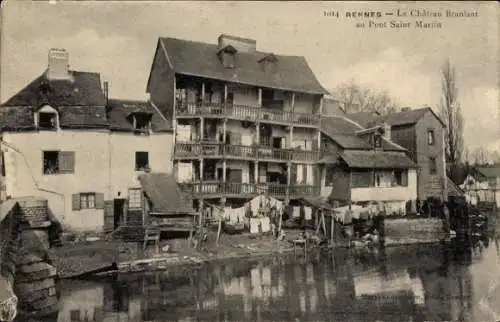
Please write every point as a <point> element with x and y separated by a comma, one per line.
<point>101,256</point>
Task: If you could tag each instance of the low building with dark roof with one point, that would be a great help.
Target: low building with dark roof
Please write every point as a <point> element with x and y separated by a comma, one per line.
<point>62,139</point>
<point>421,132</point>
<point>361,164</point>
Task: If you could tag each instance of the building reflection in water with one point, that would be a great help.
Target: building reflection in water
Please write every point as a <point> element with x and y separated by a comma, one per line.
<point>395,284</point>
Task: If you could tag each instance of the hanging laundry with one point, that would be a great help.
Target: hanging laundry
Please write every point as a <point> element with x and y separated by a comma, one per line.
<point>266,224</point>
<point>296,212</point>
<point>307,213</point>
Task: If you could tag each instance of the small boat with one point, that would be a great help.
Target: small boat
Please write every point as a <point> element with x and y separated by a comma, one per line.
<point>233,228</point>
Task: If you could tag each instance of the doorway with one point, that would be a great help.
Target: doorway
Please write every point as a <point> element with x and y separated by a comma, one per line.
<point>119,212</point>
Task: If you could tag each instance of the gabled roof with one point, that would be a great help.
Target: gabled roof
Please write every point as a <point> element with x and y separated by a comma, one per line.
<point>200,59</point>
<point>83,90</point>
<point>343,132</point>
<point>406,117</point>
<point>119,110</point>
<point>79,101</point>
<point>165,194</point>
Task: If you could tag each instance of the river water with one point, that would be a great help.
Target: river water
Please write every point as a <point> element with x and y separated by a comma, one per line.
<point>413,283</point>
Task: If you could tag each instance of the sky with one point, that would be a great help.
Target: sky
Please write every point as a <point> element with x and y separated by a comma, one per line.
<point>118,40</point>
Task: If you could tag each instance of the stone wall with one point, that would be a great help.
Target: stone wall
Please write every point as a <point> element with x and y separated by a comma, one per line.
<point>413,230</point>
<point>24,261</point>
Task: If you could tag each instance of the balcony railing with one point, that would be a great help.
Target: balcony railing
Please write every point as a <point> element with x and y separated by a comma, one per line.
<point>245,112</point>
<point>220,189</point>
<point>220,150</point>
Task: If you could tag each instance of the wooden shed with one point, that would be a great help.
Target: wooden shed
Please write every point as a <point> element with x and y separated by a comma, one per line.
<point>166,208</point>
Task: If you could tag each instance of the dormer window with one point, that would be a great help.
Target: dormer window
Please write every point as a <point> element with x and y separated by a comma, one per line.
<point>141,121</point>
<point>227,55</point>
<point>268,62</point>
<point>47,118</point>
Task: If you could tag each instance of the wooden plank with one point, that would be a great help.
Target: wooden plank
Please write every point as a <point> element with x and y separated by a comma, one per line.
<point>109,215</point>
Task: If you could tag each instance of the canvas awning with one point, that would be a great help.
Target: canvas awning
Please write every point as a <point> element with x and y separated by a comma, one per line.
<point>165,194</point>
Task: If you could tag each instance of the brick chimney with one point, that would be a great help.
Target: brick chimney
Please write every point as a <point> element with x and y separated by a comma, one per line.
<point>387,131</point>
<point>240,44</point>
<point>58,68</point>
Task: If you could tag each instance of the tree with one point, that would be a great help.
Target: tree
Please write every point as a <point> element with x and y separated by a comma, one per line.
<point>358,98</point>
<point>451,115</point>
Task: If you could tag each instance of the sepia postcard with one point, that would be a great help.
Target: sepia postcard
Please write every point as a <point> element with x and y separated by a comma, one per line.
<point>249,161</point>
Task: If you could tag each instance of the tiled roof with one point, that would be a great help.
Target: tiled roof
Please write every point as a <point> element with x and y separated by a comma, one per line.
<point>365,119</point>
<point>84,90</point>
<point>332,107</point>
<point>16,118</point>
<point>407,117</point>
<point>490,172</point>
<point>80,102</point>
<point>200,59</point>
<point>377,159</point>
<point>453,189</point>
<point>342,130</point>
<point>165,195</point>
<point>118,110</point>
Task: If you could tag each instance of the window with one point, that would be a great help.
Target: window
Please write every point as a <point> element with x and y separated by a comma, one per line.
<point>142,122</point>
<point>87,200</point>
<point>430,137</point>
<point>47,121</point>
<point>378,141</point>
<point>329,176</point>
<point>134,198</point>
<point>432,166</point>
<point>141,161</point>
<point>58,162</point>
<point>401,178</point>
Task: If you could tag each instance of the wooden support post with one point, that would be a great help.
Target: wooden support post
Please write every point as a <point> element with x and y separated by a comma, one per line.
<point>202,92</point>
<point>332,227</point>
<point>202,128</point>
<point>259,99</point>
<point>256,172</point>
<point>224,167</point>
<point>219,228</point>
<point>323,223</point>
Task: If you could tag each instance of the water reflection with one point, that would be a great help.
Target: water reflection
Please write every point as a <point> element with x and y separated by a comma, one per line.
<point>396,284</point>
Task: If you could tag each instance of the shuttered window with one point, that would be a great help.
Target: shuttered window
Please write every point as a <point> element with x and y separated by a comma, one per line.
<point>88,200</point>
<point>58,162</point>
<point>66,162</point>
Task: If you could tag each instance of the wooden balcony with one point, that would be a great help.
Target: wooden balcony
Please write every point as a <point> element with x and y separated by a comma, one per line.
<point>245,113</point>
<point>196,150</point>
<point>218,189</point>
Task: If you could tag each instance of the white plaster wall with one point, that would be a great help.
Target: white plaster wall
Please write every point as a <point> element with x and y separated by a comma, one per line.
<point>247,134</point>
<point>244,95</point>
<point>123,146</point>
<point>388,194</point>
<point>301,135</point>
<point>304,103</point>
<point>104,163</point>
